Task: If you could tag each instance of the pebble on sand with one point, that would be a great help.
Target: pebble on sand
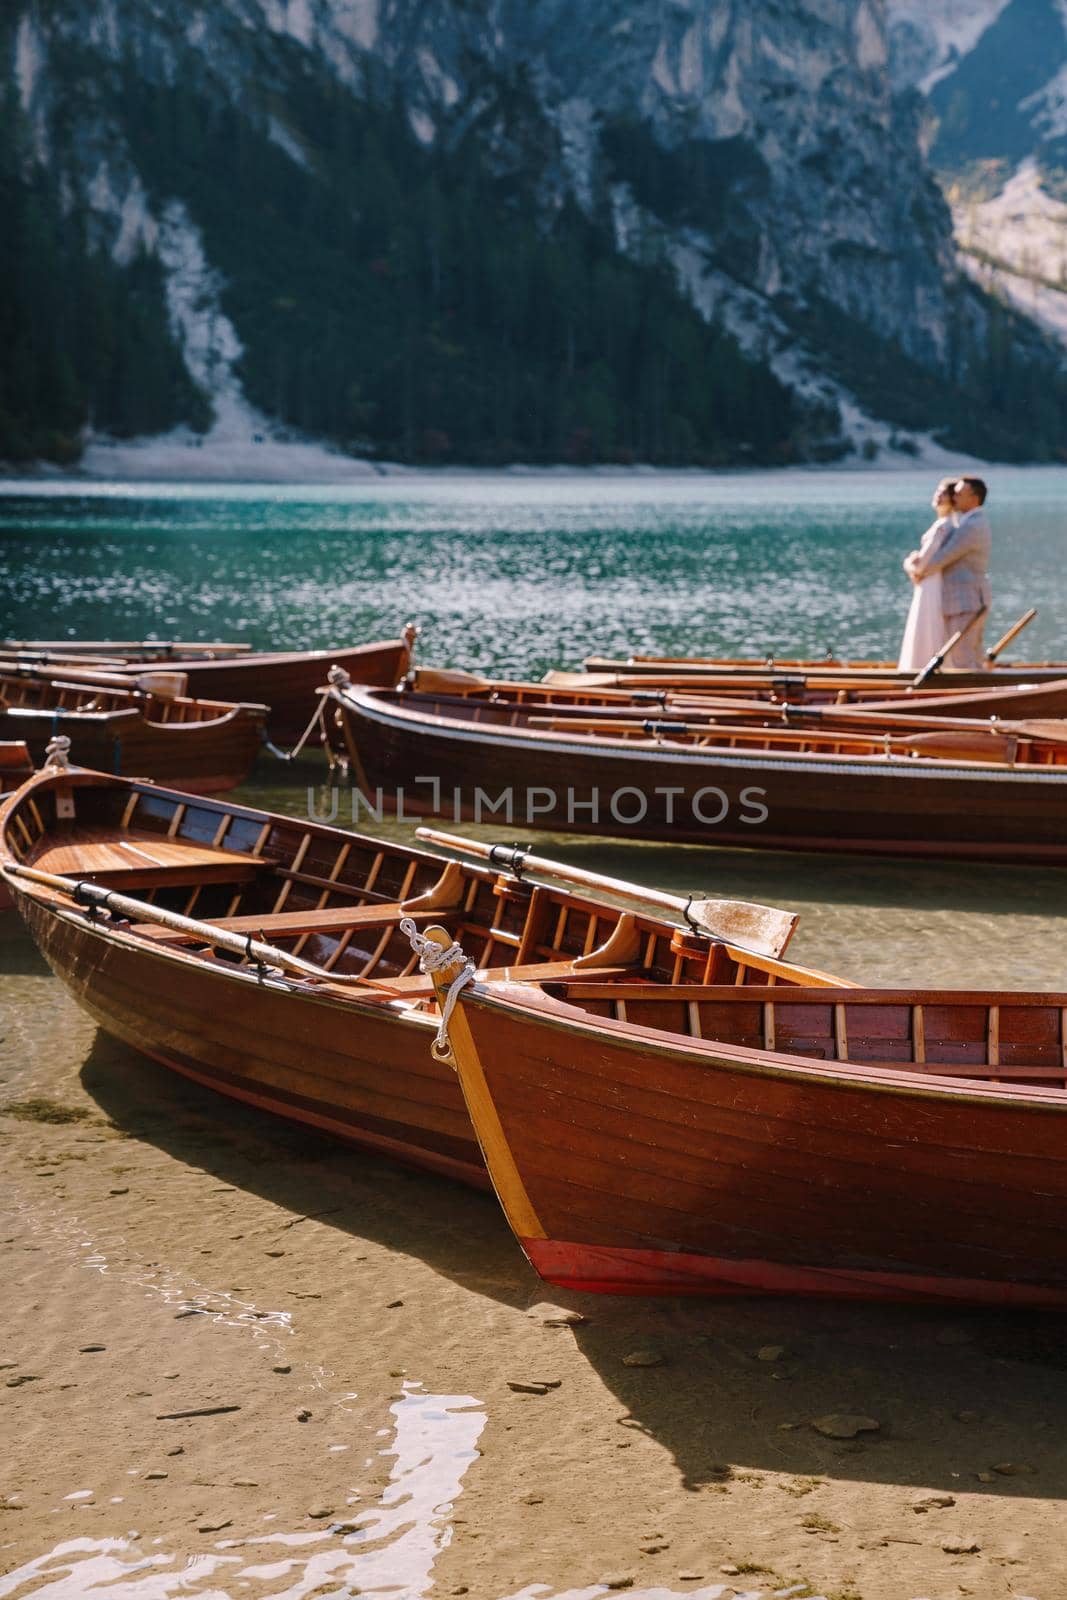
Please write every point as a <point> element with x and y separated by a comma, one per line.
<point>932,1502</point>
<point>150,1476</point>
<point>770,1352</point>
<point>550,1316</point>
<point>393,1305</point>
<point>90,1349</point>
<point>644,1358</point>
<point>845,1425</point>
<point>533,1385</point>
<point>318,1512</point>
<point>214,1527</point>
<point>619,1580</point>
<point>282,1366</point>
<point>960,1545</point>
<point>303,1415</point>
<point>1014,1469</point>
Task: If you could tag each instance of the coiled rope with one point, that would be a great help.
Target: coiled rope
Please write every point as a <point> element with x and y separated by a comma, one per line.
<point>56,752</point>
<point>435,958</point>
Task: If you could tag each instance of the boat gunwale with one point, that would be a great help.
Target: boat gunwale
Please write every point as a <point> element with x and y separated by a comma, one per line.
<point>369,702</point>
<point>562,1017</point>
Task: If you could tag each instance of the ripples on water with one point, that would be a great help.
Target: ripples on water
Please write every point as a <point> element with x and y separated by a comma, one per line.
<point>513,573</point>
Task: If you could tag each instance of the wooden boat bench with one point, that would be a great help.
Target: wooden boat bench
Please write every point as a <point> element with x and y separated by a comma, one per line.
<point>418,987</point>
<point>141,859</point>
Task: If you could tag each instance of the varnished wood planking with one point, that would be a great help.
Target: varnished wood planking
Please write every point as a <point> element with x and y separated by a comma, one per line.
<point>850,803</point>
<point>627,1149</point>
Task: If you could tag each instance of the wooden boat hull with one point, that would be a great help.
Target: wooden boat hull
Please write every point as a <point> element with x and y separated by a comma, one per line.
<point>358,1072</point>
<point>286,680</point>
<point>630,1161</point>
<point>738,797</point>
<point>205,757</point>
<point>15,768</point>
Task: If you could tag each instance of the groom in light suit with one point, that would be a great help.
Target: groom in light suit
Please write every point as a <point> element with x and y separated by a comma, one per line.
<point>961,555</point>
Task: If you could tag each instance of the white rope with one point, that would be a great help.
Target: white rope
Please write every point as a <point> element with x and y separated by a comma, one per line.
<point>56,751</point>
<point>291,755</point>
<point>433,958</point>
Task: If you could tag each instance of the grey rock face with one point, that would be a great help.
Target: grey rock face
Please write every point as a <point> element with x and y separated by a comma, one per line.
<point>775,146</point>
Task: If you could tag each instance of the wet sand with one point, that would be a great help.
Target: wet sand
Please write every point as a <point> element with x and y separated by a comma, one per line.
<point>166,1251</point>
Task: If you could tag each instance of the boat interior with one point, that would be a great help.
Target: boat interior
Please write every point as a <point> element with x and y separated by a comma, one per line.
<point>336,899</point>
<point>36,693</point>
<point>563,689</point>
<point>1008,1038</point>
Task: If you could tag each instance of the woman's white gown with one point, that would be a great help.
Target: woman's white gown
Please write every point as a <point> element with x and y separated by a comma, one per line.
<point>924,631</point>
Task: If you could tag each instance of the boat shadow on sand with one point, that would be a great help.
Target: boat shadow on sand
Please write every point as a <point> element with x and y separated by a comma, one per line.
<point>965,1400</point>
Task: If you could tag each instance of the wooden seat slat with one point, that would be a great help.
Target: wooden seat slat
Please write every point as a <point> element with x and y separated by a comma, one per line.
<point>544,971</point>
<point>142,859</point>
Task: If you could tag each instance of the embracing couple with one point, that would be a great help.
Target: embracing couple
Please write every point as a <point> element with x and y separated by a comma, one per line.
<point>950,575</point>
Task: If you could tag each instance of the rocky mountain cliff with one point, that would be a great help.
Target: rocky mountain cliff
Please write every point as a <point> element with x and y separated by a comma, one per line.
<point>486,230</point>
<point>995,72</point>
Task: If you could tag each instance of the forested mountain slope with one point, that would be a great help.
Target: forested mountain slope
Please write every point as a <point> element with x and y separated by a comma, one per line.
<point>489,230</point>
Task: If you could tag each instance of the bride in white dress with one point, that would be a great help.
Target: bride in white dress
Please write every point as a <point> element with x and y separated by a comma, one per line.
<point>924,631</point>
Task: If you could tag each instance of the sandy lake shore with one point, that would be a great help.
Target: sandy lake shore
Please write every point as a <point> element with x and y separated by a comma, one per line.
<point>376,1400</point>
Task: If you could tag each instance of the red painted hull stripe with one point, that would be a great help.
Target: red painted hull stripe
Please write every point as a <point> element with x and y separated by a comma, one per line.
<point>605,1269</point>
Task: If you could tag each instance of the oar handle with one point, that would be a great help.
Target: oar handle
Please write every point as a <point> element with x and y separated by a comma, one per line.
<point>517,859</point>
<point>938,661</point>
<point>1012,633</point>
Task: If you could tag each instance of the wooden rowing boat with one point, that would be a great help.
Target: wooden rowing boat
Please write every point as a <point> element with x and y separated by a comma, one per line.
<point>15,768</point>
<point>888,673</point>
<point>970,792</point>
<point>755,692</point>
<point>331,1025</point>
<point>693,1138</point>
<point>283,680</point>
<point>140,650</point>
<point>788,701</point>
<point>203,745</point>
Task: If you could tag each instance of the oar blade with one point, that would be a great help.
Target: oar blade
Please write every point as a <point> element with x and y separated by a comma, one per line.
<point>765,930</point>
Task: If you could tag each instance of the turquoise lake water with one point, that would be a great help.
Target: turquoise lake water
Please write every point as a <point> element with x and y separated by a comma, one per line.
<point>514,573</point>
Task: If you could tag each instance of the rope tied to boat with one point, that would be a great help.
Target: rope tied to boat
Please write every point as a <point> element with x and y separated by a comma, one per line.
<point>435,958</point>
<point>317,720</point>
<point>56,752</point>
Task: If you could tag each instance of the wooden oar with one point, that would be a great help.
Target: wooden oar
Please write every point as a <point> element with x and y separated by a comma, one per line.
<point>1012,633</point>
<point>776,722</point>
<point>94,894</point>
<point>762,930</point>
<point>125,647</point>
<point>936,662</point>
<point>161,682</point>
